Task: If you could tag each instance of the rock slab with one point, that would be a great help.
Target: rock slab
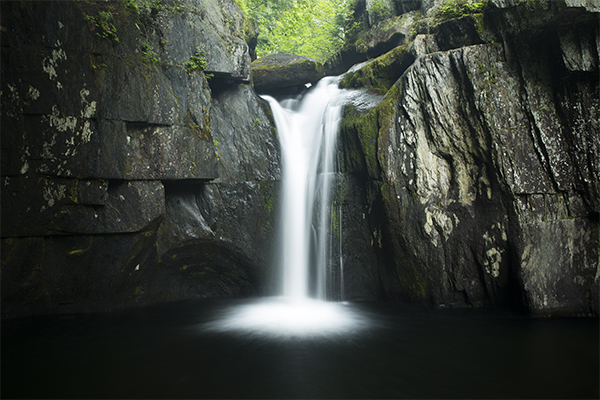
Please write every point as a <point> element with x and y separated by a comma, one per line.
<point>280,73</point>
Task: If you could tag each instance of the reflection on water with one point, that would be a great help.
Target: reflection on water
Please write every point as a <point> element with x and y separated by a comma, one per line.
<point>200,350</point>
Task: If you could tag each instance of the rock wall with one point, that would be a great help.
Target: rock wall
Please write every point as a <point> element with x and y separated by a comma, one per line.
<point>138,165</point>
<point>484,156</point>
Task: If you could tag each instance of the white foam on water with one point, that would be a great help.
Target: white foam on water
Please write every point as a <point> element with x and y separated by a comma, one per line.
<point>290,317</point>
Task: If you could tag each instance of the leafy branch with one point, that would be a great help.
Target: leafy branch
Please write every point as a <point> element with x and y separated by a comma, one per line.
<point>103,21</point>
<point>149,55</point>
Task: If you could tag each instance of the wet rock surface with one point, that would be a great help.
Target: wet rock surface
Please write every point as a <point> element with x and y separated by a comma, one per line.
<point>482,155</point>
<point>115,119</point>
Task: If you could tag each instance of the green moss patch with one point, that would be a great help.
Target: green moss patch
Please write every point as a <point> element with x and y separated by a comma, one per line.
<point>368,127</point>
<point>451,9</point>
<point>381,74</point>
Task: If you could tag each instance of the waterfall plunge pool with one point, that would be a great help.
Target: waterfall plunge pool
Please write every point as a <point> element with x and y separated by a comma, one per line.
<point>301,348</point>
<point>387,351</point>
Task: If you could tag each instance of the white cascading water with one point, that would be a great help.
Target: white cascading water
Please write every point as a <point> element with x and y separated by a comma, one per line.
<point>308,137</point>
<point>307,130</point>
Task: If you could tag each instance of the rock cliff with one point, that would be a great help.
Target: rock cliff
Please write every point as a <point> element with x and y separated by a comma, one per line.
<point>138,165</point>
<point>483,154</point>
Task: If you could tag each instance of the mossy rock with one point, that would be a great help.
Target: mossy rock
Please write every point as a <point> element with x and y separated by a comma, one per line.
<point>278,73</point>
<point>381,73</point>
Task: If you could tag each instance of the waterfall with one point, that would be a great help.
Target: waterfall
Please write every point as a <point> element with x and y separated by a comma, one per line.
<point>307,129</point>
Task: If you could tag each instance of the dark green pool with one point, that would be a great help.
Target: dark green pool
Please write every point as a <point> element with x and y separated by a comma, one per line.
<point>400,352</point>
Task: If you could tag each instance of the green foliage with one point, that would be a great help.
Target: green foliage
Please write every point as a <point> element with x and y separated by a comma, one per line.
<point>132,5</point>
<point>149,56</point>
<point>147,6</point>
<point>103,22</point>
<point>530,4</point>
<point>458,8</point>
<point>311,28</point>
<point>380,10</point>
<point>197,62</point>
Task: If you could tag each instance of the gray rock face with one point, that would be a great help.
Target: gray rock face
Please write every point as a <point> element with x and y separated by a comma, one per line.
<point>73,206</point>
<point>486,161</point>
<point>284,73</point>
<point>379,39</point>
<point>114,121</point>
<point>385,24</point>
<point>246,143</point>
<point>139,166</point>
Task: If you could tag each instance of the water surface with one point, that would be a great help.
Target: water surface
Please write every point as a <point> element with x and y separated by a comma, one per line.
<point>393,351</point>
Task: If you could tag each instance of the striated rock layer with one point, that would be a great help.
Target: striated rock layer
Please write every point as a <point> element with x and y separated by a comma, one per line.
<point>484,156</point>
<point>138,165</point>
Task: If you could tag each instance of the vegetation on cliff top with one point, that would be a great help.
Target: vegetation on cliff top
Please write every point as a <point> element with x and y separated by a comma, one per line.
<point>457,8</point>
<point>310,28</point>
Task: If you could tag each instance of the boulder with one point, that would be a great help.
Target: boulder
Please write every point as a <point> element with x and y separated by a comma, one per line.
<point>280,73</point>
<point>380,74</point>
<point>381,37</point>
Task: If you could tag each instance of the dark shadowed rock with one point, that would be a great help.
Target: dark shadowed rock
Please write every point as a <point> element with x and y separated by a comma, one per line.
<point>114,119</point>
<point>48,206</point>
<point>482,158</point>
<point>278,73</point>
<point>246,143</point>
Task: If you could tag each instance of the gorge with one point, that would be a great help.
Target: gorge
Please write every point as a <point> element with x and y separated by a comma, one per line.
<point>182,219</point>
<point>134,175</point>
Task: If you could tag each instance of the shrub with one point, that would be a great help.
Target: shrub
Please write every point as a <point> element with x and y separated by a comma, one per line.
<point>103,22</point>
<point>380,10</point>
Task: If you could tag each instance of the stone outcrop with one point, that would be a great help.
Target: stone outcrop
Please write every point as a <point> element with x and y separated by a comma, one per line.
<point>285,73</point>
<point>384,27</point>
<point>485,158</point>
<point>138,165</point>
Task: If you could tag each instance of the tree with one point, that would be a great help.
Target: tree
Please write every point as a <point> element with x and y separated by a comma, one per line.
<point>311,28</point>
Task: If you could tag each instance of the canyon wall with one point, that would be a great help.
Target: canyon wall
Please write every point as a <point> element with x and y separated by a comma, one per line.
<point>138,164</point>
<point>483,154</point>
